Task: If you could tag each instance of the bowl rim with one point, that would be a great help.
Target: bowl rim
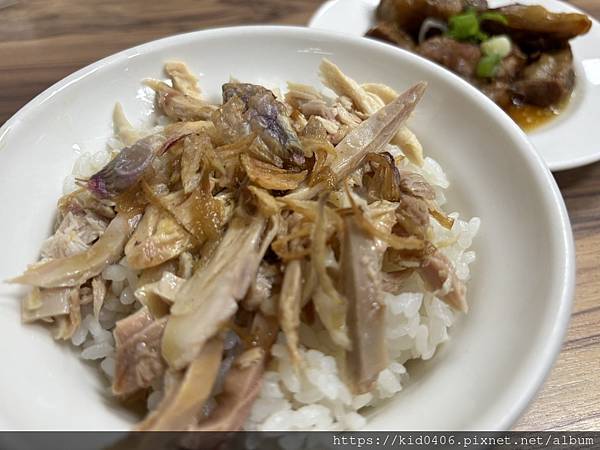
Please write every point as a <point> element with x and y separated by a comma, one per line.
<point>540,172</point>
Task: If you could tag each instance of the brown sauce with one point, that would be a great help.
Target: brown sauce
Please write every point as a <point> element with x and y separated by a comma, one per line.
<point>132,200</point>
<point>530,117</point>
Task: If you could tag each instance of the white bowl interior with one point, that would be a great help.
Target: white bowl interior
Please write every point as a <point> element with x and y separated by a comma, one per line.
<point>522,282</point>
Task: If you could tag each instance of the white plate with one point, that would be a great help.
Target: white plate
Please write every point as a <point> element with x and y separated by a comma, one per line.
<point>522,287</point>
<point>573,139</point>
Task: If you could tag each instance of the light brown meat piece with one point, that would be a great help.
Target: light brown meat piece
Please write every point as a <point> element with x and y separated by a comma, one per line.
<point>290,300</point>
<point>361,287</point>
<point>413,184</point>
<point>371,136</point>
<point>209,298</point>
<point>535,28</point>
<point>138,360</point>
<point>98,294</point>
<point>243,381</point>
<point>82,201</point>
<point>181,406</point>
<point>65,326</point>
<point>191,160</point>
<point>77,269</point>
<point>45,303</point>
<point>157,239</point>
<point>179,106</point>
<point>183,80</point>
<point>75,234</point>
<point>413,216</point>
<point>242,386</point>
<point>439,276</point>
<point>129,326</point>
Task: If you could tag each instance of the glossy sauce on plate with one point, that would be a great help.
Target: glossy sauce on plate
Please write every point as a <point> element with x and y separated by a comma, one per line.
<point>530,117</point>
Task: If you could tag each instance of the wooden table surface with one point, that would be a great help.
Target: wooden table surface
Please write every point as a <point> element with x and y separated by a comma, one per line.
<point>41,41</point>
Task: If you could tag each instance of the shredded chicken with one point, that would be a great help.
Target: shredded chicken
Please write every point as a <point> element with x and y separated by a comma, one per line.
<point>131,325</point>
<point>46,303</point>
<point>138,359</point>
<point>361,283</point>
<point>126,133</point>
<point>74,270</point>
<point>98,294</point>
<point>183,80</point>
<point>179,106</point>
<point>265,215</point>
<point>290,301</point>
<point>157,239</point>
<point>164,290</point>
<point>68,324</point>
<point>179,408</point>
<point>262,287</point>
<point>369,99</point>
<point>75,234</point>
<point>439,274</point>
<point>242,383</point>
<point>209,299</point>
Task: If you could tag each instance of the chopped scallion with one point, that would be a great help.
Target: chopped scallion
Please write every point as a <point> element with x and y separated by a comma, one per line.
<point>467,25</point>
<point>464,26</point>
<point>488,66</point>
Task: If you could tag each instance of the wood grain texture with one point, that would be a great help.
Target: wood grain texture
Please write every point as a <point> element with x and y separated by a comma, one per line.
<point>41,41</point>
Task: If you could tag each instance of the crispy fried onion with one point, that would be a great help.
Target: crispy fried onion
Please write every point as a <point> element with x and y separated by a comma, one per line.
<point>266,203</point>
<point>383,181</point>
<point>200,213</point>
<point>157,238</point>
<point>393,241</point>
<point>310,210</point>
<point>259,150</point>
<point>225,160</point>
<point>295,243</point>
<point>292,245</point>
<point>444,220</point>
<point>197,149</point>
<point>400,260</point>
<point>329,303</point>
<point>269,176</point>
<point>322,152</point>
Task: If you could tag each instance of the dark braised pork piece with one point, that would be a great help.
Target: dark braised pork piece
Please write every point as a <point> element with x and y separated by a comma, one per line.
<point>392,33</point>
<point>548,80</point>
<point>459,57</point>
<point>534,28</point>
<point>410,14</point>
<point>517,54</point>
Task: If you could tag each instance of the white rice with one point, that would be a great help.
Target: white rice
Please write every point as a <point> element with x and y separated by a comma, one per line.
<point>417,322</point>
<point>315,398</point>
<point>94,336</point>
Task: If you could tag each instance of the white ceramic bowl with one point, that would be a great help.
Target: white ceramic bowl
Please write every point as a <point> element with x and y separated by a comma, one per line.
<point>522,283</point>
<point>571,140</point>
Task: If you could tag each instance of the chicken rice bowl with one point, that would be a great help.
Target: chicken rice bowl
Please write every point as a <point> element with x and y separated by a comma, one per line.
<point>267,263</point>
